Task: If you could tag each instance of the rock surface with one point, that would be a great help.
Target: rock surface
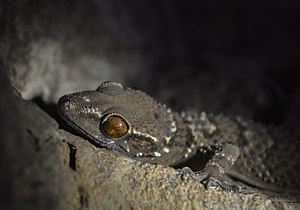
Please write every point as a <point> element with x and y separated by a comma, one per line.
<point>61,171</point>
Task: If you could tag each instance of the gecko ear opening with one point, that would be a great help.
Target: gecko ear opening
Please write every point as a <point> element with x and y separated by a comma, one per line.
<point>109,84</point>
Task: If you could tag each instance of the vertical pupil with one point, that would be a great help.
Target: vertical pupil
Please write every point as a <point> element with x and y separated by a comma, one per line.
<point>115,127</point>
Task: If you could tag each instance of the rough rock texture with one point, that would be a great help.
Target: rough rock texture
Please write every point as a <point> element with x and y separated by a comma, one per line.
<point>61,171</point>
<point>182,54</point>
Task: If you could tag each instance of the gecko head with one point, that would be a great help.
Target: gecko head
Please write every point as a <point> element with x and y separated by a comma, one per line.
<point>119,118</point>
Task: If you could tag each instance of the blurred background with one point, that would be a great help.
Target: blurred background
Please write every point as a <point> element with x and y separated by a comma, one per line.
<point>233,57</point>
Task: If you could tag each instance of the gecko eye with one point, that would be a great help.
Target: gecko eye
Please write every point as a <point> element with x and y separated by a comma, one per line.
<point>114,126</point>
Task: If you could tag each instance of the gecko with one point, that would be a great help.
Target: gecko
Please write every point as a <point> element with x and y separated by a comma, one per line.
<point>133,123</point>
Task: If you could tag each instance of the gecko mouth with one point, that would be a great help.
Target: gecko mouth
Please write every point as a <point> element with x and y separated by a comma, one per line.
<point>86,135</point>
<point>63,108</point>
<point>74,125</point>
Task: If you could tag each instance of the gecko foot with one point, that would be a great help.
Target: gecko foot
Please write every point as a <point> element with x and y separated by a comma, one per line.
<point>210,182</point>
<point>214,171</point>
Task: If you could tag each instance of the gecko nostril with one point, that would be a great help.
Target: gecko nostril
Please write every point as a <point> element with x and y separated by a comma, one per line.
<point>65,103</point>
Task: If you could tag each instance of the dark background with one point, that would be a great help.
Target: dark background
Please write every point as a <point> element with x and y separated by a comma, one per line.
<point>233,57</point>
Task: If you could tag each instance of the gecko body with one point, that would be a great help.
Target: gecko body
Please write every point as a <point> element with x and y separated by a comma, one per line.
<point>133,123</point>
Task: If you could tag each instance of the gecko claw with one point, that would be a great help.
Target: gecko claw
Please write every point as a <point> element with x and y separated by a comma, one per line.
<point>213,183</point>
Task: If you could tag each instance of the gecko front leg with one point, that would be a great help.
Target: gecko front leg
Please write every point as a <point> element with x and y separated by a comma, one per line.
<point>213,174</point>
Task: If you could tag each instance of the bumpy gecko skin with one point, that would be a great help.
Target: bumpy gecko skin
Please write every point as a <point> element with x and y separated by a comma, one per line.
<point>134,124</point>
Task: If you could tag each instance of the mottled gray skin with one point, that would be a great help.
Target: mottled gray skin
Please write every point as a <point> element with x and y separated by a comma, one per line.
<point>158,135</point>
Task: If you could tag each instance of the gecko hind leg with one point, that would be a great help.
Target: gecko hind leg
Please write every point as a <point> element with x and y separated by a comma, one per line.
<point>223,159</point>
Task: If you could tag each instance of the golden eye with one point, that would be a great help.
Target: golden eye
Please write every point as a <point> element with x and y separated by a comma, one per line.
<point>114,126</point>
